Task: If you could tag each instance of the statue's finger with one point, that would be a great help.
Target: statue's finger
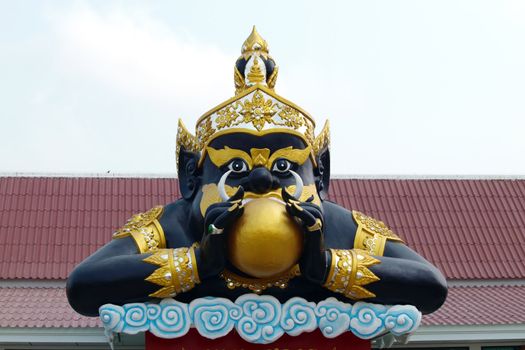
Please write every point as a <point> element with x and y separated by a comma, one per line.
<point>287,197</point>
<point>239,194</point>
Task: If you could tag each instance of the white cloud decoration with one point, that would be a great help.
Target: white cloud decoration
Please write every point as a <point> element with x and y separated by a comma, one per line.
<point>259,319</point>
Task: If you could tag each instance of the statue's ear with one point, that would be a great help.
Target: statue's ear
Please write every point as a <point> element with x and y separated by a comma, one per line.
<point>189,174</point>
<point>322,172</point>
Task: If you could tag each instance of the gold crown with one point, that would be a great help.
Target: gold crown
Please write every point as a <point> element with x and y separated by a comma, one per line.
<point>255,109</point>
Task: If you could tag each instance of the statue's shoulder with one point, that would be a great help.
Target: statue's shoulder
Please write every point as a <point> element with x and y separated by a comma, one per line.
<point>372,234</point>
<point>145,229</point>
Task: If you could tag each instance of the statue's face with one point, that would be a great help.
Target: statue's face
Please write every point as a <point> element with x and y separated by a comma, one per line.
<point>262,165</point>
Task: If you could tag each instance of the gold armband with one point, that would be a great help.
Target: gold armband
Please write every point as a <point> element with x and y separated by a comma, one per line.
<point>349,273</point>
<point>177,271</point>
<point>372,234</point>
<point>145,230</point>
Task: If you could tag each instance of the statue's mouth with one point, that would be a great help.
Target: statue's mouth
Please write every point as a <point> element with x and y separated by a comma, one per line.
<point>275,195</point>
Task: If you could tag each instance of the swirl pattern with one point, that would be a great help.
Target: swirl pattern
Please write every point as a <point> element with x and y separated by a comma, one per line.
<point>366,320</point>
<point>401,320</point>
<point>112,317</point>
<point>259,319</point>
<point>333,317</point>
<point>173,320</point>
<point>298,316</point>
<point>135,318</point>
<point>213,317</point>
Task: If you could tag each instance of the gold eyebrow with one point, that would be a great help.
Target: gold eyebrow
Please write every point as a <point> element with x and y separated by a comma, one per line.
<point>219,157</point>
<point>295,155</point>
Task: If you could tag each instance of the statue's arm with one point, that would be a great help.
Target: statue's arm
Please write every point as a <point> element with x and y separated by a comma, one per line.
<point>135,266</point>
<point>142,263</point>
<point>359,257</point>
<point>113,274</point>
<point>407,278</point>
<point>382,269</point>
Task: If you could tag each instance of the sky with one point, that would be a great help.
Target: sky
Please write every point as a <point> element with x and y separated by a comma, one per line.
<point>410,87</point>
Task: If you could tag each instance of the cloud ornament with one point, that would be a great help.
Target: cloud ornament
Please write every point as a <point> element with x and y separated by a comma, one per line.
<point>259,319</point>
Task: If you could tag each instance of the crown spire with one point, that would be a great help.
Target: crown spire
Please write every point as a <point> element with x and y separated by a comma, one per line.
<point>254,42</point>
<point>255,65</point>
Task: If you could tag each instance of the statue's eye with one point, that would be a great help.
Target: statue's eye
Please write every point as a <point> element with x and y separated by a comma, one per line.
<point>281,165</point>
<point>238,166</point>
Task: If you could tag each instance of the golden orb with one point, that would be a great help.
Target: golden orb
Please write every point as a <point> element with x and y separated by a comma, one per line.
<point>265,241</point>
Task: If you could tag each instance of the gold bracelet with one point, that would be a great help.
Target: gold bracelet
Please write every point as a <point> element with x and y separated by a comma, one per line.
<point>177,271</point>
<point>145,229</point>
<point>372,235</point>
<point>349,273</point>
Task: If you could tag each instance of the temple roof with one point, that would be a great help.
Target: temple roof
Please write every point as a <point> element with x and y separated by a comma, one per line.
<point>470,229</point>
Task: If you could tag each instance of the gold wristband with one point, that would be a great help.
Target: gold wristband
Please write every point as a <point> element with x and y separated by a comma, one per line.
<point>177,271</point>
<point>349,273</point>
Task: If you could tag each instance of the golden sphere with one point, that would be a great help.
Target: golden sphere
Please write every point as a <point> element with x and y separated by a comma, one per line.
<point>265,240</point>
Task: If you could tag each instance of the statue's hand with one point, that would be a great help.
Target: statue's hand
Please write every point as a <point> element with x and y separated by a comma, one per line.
<point>313,262</point>
<point>218,217</point>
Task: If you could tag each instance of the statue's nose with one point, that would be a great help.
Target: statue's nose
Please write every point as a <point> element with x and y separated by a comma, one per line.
<point>260,180</point>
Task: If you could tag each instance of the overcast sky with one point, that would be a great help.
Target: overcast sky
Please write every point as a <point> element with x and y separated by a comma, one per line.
<point>409,87</point>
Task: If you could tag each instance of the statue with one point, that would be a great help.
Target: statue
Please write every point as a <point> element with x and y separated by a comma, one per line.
<point>254,218</point>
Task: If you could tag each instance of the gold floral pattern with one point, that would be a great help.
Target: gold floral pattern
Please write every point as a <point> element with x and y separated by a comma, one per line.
<point>259,111</point>
<point>204,132</point>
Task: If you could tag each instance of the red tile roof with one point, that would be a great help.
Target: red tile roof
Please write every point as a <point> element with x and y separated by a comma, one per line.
<point>48,307</point>
<point>481,305</point>
<point>40,307</point>
<point>471,229</point>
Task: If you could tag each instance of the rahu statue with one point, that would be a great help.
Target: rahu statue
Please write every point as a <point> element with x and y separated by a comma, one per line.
<point>254,218</point>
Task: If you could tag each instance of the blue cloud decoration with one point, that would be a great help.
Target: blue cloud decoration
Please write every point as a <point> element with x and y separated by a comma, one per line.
<point>259,319</point>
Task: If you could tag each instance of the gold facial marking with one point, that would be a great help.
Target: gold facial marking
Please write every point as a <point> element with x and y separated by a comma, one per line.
<point>210,195</point>
<point>258,156</point>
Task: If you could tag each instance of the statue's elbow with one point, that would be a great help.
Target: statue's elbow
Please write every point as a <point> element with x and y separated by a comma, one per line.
<point>79,294</point>
<point>435,293</point>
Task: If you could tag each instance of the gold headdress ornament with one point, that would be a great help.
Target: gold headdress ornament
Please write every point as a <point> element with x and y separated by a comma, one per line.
<point>255,109</point>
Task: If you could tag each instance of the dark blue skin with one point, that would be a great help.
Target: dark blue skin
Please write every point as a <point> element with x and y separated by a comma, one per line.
<point>115,273</point>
